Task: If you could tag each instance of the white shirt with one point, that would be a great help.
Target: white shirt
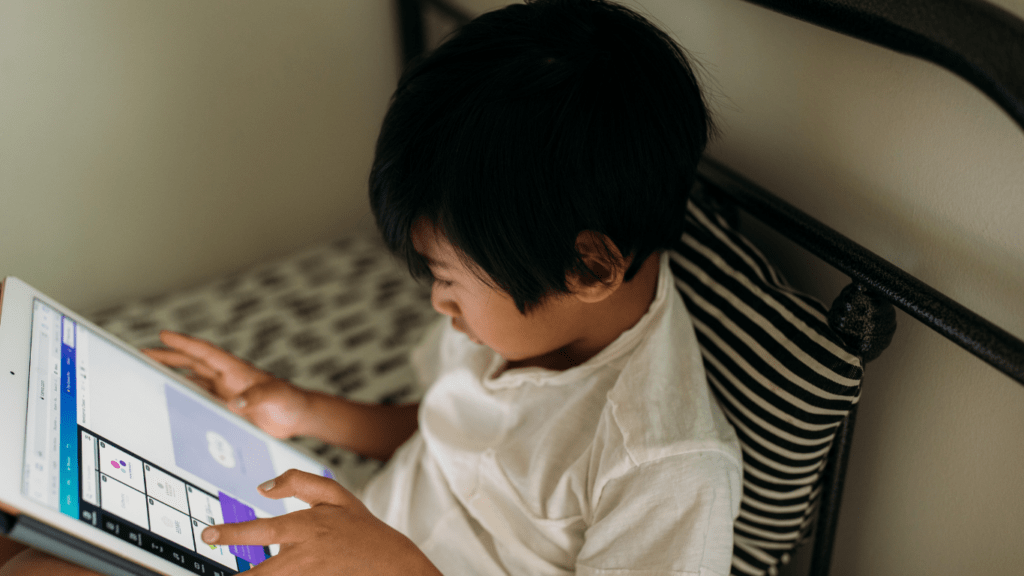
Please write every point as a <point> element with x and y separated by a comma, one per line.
<point>623,465</point>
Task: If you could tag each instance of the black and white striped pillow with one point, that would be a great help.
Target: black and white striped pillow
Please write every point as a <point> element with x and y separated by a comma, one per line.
<point>779,372</point>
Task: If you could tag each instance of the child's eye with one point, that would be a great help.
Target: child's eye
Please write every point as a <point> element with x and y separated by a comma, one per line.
<point>442,283</point>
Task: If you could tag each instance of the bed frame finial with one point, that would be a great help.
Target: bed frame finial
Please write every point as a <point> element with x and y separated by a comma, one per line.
<point>864,320</point>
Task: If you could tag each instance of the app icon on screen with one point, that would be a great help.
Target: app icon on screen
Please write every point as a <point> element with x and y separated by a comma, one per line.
<point>220,449</point>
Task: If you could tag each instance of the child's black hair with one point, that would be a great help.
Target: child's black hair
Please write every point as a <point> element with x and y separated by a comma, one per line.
<point>536,122</point>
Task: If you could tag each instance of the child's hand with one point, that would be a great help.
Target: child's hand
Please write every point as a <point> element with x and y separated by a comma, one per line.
<point>273,404</point>
<point>338,535</point>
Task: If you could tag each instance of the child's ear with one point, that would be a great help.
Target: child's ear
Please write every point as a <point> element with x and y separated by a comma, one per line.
<point>604,260</point>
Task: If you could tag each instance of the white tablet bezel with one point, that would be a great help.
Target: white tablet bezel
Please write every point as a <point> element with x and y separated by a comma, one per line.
<point>16,305</point>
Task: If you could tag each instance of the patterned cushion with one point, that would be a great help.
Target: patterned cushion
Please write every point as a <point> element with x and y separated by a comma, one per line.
<point>780,374</point>
<point>338,318</point>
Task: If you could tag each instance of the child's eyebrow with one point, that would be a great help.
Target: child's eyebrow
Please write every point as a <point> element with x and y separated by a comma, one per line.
<point>435,263</point>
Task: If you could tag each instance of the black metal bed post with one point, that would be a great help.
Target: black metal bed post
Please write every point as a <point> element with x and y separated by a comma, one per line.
<point>831,497</point>
<point>413,24</point>
<point>866,322</point>
<point>410,22</point>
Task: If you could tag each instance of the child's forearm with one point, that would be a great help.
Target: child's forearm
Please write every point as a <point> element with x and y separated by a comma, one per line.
<point>33,562</point>
<point>9,549</point>
<point>372,430</point>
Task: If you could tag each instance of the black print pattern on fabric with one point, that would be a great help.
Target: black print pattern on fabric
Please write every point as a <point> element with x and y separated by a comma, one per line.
<point>338,318</point>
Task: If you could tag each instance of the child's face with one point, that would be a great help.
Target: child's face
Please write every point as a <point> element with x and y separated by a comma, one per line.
<point>488,315</point>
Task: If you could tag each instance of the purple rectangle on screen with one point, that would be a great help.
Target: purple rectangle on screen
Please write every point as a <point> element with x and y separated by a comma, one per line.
<point>234,511</point>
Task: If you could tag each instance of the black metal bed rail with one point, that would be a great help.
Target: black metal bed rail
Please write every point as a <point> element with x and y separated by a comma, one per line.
<point>942,314</point>
<point>980,42</point>
<point>412,23</point>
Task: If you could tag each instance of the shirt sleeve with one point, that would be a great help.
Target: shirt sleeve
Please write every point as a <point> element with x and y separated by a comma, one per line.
<point>671,516</point>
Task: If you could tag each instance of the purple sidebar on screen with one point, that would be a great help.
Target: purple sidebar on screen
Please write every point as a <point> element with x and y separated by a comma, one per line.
<point>235,511</point>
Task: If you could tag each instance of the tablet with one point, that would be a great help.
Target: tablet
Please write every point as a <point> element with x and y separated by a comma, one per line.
<point>115,462</point>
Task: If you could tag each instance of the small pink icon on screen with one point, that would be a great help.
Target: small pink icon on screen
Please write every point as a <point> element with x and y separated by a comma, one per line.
<point>117,464</point>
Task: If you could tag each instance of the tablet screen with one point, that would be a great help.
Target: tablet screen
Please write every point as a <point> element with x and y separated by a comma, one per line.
<point>119,445</point>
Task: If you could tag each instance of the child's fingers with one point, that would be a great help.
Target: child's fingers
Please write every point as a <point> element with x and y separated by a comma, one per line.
<point>209,353</point>
<point>202,383</point>
<point>176,359</point>
<point>287,529</point>
<point>310,488</point>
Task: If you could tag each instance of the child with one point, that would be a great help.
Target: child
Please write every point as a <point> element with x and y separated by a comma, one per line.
<point>534,167</point>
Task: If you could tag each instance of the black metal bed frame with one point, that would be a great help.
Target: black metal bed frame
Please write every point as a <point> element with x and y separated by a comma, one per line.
<point>981,43</point>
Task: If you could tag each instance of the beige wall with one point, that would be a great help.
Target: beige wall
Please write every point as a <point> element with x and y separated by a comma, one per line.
<point>146,146</point>
<point>913,163</point>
